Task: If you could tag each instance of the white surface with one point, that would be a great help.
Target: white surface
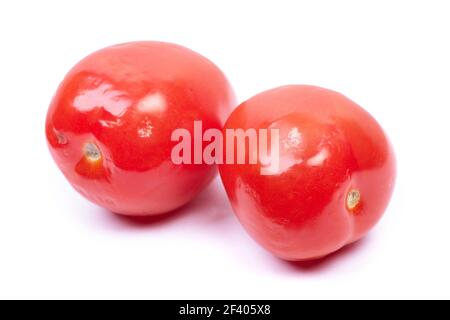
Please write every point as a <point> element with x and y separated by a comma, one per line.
<point>392,57</point>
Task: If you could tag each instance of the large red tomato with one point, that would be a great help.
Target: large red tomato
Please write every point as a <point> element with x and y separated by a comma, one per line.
<point>335,175</point>
<point>109,125</point>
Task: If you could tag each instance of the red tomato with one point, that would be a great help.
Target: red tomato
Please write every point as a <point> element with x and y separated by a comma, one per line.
<point>109,125</point>
<point>334,180</point>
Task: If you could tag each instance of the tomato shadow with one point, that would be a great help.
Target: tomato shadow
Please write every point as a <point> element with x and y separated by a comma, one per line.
<point>320,264</point>
<point>137,221</point>
<point>211,205</point>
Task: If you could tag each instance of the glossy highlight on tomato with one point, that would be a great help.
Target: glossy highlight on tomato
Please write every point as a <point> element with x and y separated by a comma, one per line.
<point>335,177</point>
<point>109,124</point>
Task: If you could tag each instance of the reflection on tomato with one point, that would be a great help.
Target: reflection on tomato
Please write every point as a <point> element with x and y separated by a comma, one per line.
<point>110,122</point>
<point>334,181</point>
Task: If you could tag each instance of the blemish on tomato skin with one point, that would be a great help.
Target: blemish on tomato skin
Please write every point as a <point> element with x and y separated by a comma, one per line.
<point>353,200</point>
<point>56,138</point>
<point>62,140</point>
<point>146,130</point>
<point>92,152</point>
<point>92,163</point>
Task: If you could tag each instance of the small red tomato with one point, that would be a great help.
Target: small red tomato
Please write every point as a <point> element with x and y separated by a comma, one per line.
<point>109,124</point>
<point>334,178</point>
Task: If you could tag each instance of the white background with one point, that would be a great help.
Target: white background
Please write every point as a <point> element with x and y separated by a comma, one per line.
<point>392,57</point>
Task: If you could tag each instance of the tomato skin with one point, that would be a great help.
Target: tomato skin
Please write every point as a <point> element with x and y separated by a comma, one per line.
<point>110,122</point>
<point>329,147</point>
